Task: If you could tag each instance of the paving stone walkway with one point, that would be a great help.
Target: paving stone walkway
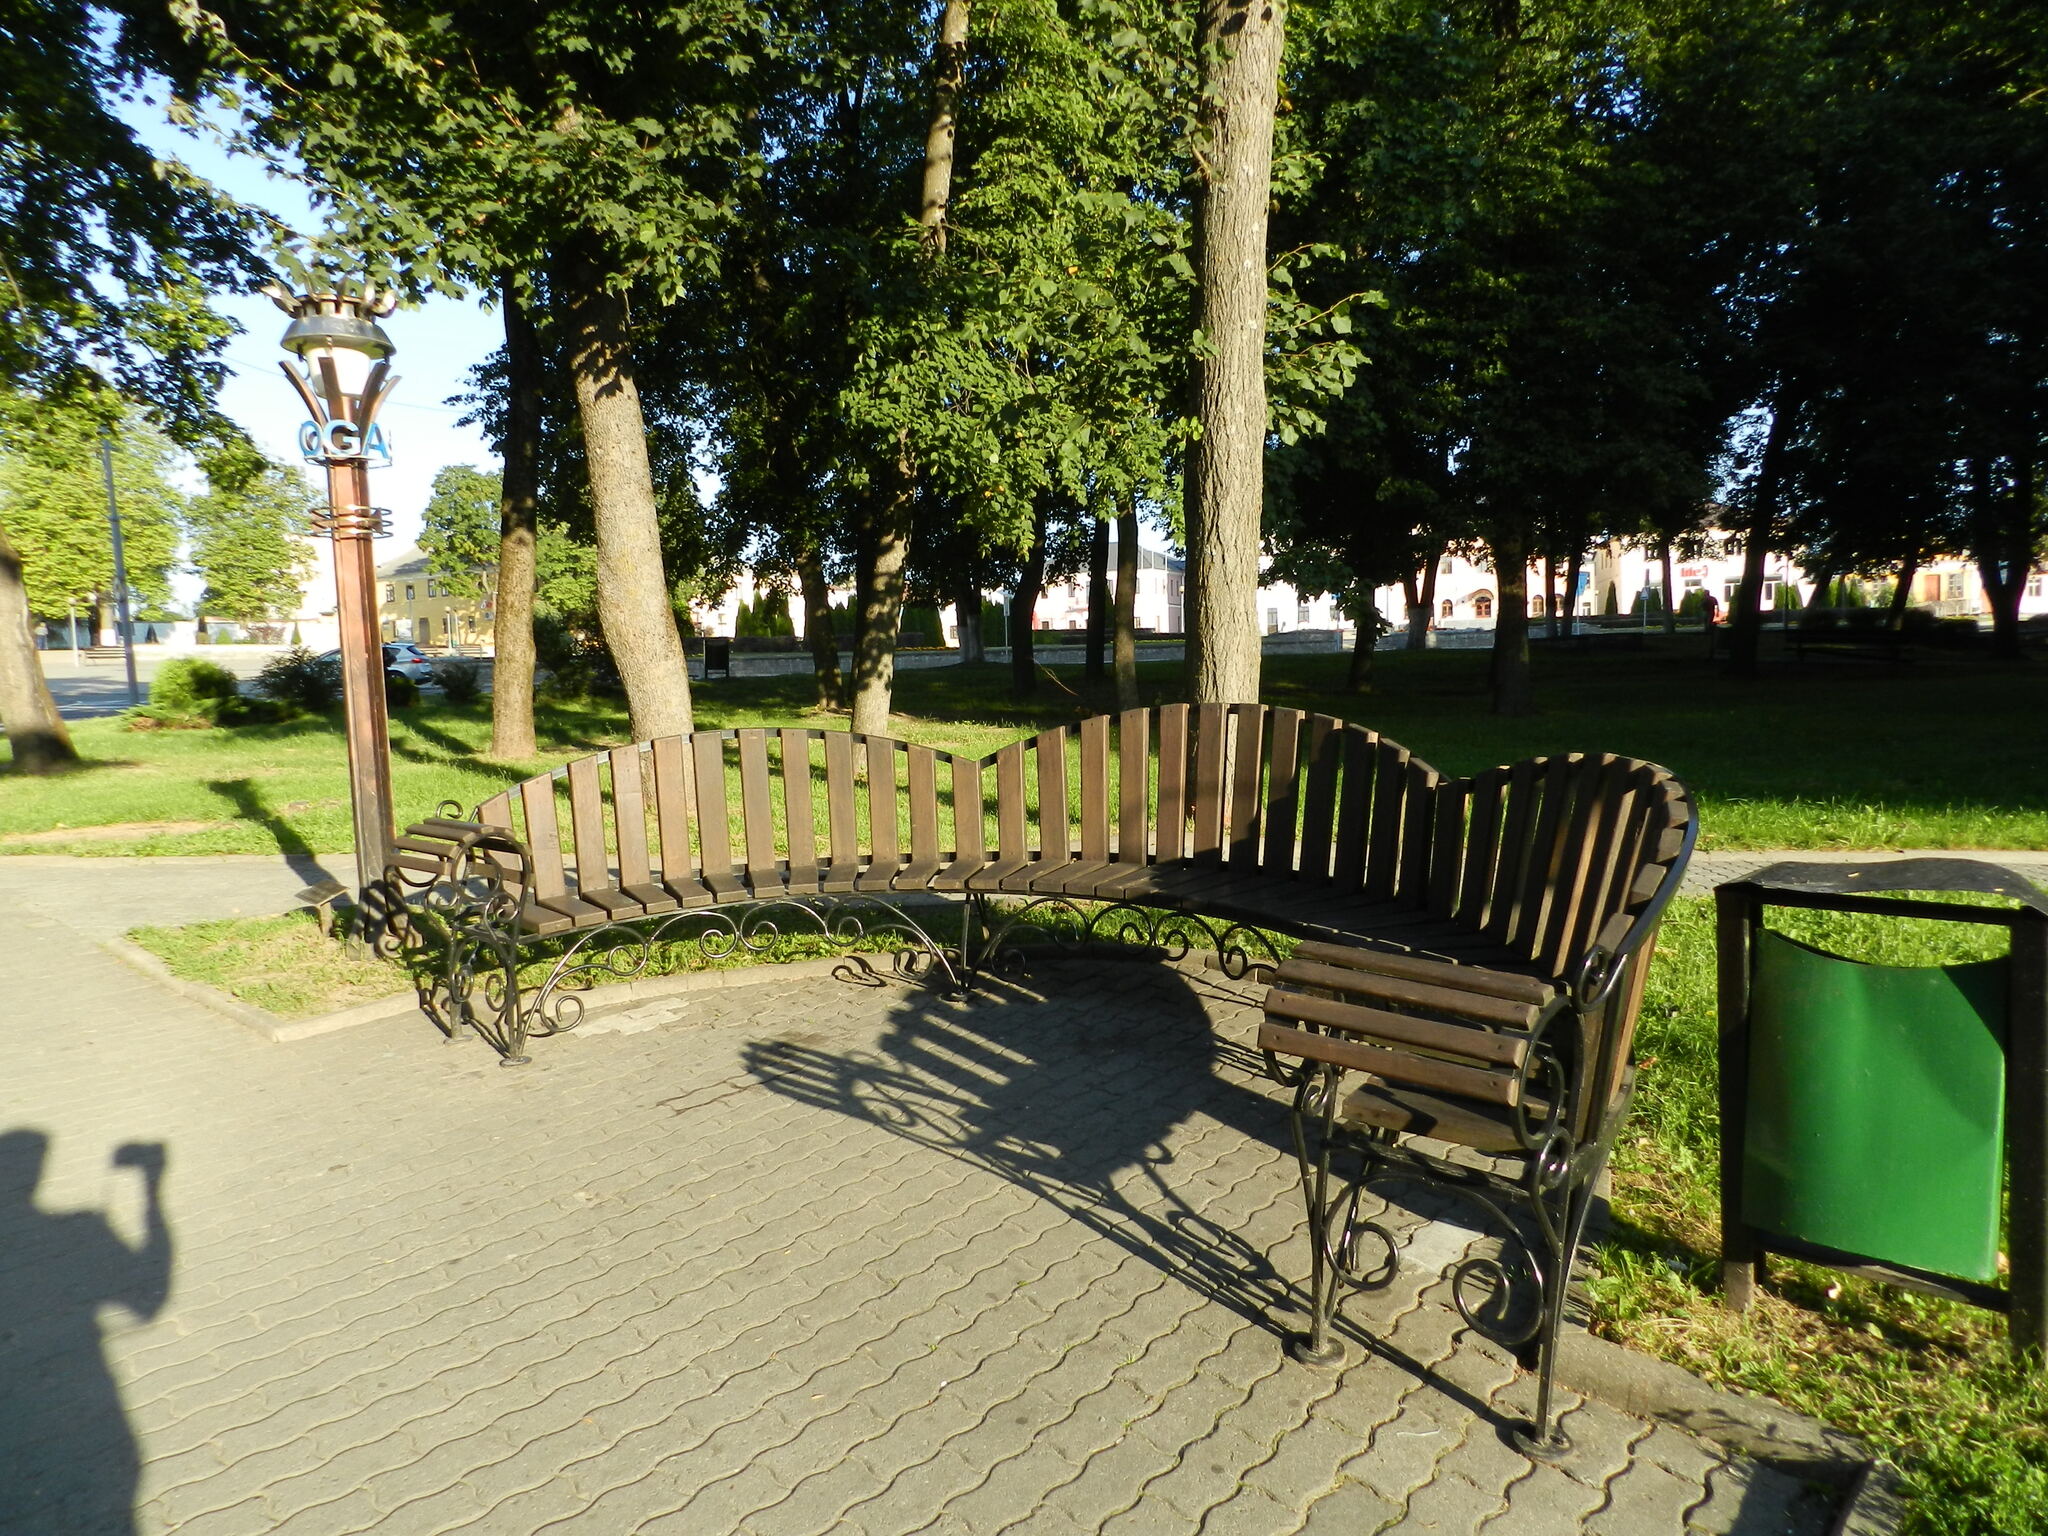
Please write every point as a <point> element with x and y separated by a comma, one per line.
<point>801,1257</point>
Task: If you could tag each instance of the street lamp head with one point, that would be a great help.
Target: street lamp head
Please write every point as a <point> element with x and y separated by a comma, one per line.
<point>350,344</point>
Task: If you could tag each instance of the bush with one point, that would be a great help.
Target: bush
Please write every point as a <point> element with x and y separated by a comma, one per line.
<point>400,691</point>
<point>577,665</point>
<point>459,679</point>
<point>301,679</point>
<point>186,685</point>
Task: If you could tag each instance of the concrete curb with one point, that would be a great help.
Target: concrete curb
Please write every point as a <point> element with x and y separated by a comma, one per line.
<point>1762,1430</point>
<point>398,1004</point>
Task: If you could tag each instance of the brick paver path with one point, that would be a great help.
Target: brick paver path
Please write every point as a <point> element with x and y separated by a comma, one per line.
<point>803,1257</point>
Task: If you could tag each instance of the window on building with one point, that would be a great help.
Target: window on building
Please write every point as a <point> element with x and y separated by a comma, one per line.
<point>430,589</point>
<point>1952,586</point>
<point>1448,610</point>
<point>408,591</point>
<point>2037,586</point>
<point>390,592</point>
<point>1045,623</point>
<point>1445,568</point>
<point>1482,605</point>
<point>1272,621</point>
<point>1301,616</point>
<point>1536,607</point>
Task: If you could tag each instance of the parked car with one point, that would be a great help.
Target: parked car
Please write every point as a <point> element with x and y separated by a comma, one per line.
<point>401,657</point>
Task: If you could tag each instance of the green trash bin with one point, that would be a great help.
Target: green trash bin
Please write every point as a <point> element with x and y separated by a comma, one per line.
<point>1872,1116</point>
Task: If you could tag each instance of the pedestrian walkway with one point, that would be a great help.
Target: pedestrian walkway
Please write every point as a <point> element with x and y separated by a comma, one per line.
<point>793,1258</point>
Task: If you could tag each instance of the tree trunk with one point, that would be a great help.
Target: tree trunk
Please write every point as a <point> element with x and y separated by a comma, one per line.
<point>879,596</point>
<point>819,635</point>
<point>1126,625</point>
<point>1746,622</point>
<point>35,730</point>
<point>1552,619</point>
<point>518,530</point>
<point>967,608</point>
<point>1023,608</point>
<point>1568,623</point>
<point>1240,44</point>
<point>2005,552</point>
<point>880,605</point>
<point>1511,690</point>
<point>1902,592</point>
<point>1358,677</point>
<point>633,600</point>
<point>1098,600</point>
<point>1422,614</point>
<point>1664,567</point>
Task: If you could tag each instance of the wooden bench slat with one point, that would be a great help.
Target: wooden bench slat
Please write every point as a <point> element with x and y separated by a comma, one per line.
<point>841,827</point>
<point>1134,786</point>
<point>797,816</point>
<point>1546,853</point>
<point>714,826</point>
<point>1486,799</point>
<point>1247,776</point>
<point>1208,728</point>
<point>1283,792</point>
<point>1055,821</point>
<point>921,789</point>
<point>1094,787</point>
<point>1013,844</point>
<point>970,830</point>
<point>1505,1046</point>
<point>1450,804</point>
<point>669,756</point>
<point>544,847</point>
<point>1448,997</point>
<point>1504,984</point>
<point>1418,842</point>
<point>1487,1087</point>
<point>1523,789</point>
<point>1171,821</point>
<point>629,817</point>
<point>1322,755</point>
<point>757,817</point>
<point>1354,808</point>
<point>885,832</point>
<point>594,883</point>
<point>1602,794</point>
<point>1390,793</point>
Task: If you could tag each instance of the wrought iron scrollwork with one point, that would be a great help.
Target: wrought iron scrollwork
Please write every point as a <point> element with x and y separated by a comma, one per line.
<point>1072,925</point>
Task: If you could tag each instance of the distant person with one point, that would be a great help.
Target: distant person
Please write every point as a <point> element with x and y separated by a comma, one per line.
<point>68,1461</point>
<point>1712,609</point>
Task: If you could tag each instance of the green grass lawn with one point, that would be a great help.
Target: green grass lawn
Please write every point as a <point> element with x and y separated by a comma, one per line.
<point>1928,1382</point>
<point>1946,752</point>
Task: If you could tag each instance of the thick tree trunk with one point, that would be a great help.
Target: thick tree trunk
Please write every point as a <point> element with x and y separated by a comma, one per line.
<point>880,602</point>
<point>633,600</point>
<point>518,530</point>
<point>949,70</point>
<point>1240,43</point>
<point>1358,676</point>
<point>1126,623</point>
<point>1511,690</point>
<point>1098,601</point>
<point>1552,619</point>
<point>818,632</point>
<point>1023,609</point>
<point>35,731</point>
<point>1568,624</point>
<point>2005,552</point>
<point>1664,575</point>
<point>967,608</point>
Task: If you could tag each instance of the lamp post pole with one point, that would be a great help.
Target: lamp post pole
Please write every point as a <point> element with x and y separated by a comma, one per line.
<point>346,376</point>
<point>120,570</point>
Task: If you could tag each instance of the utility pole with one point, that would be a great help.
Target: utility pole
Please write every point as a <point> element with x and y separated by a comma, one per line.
<point>120,567</point>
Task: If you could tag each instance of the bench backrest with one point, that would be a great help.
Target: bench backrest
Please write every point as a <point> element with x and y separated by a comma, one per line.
<point>1544,857</point>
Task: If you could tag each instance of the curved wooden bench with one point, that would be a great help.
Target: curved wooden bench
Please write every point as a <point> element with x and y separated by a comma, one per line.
<point>1243,816</point>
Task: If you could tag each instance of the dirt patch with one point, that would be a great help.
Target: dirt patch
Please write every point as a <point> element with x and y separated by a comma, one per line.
<point>120,831</point>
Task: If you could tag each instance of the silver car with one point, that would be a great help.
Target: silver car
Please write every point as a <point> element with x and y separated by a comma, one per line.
<point>401,657</point>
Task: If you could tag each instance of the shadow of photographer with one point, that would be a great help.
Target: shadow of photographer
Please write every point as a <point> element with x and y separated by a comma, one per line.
<point>68,1459</point>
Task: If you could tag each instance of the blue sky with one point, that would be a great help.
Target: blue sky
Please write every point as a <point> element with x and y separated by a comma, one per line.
<point>437,343</point>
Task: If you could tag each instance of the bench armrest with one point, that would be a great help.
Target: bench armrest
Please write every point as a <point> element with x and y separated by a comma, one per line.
<point>1606,961</point>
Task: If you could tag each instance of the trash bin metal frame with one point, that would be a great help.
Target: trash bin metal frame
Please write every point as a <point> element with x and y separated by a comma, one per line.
<point>1851,887</point>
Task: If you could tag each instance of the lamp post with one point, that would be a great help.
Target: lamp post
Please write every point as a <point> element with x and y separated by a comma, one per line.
<point>343,376</point>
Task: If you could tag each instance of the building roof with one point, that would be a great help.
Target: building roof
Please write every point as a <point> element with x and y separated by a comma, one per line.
<point>410,563</point>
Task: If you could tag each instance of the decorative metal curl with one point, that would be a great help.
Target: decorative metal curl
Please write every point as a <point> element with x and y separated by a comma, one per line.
<point>1120,924</point>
